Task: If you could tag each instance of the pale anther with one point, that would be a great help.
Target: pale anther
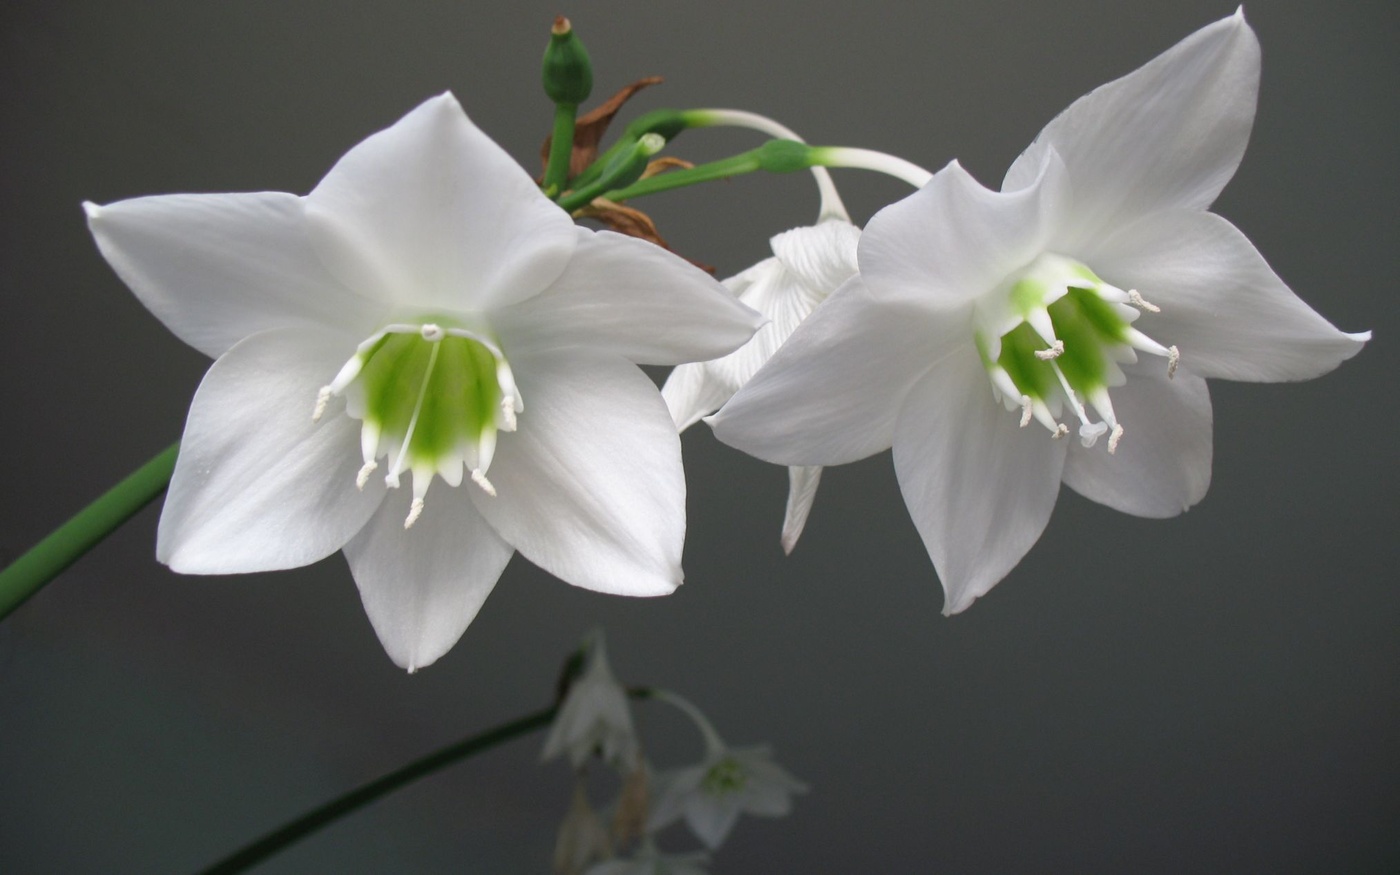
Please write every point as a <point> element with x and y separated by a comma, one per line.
<point>432,333</point>
<point>479,478</point>
<point>1113,438</point>
<point>415,510</point>
<point>508,422</point>
<point>1027,408</point>
<point>1173,359</point>
<point>363,477</point>
<point>1059,432</point>
<point>1136,300</point>
<point>1056,350</point>
<point>323,397</point>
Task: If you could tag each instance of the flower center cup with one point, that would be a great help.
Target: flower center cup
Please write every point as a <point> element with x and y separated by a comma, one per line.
<point>430,400</point>
<point>1053,336</point>
<point>725,776</point>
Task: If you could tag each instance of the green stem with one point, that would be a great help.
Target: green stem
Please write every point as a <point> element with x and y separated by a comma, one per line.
<point>746,162</point>
<point>561,148</point>
<point>47,559</point>
<point>313,820</point>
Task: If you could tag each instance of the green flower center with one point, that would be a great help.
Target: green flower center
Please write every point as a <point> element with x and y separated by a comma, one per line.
<point>1053,335</point>
<point>431,400</point>
<point>725,776</point>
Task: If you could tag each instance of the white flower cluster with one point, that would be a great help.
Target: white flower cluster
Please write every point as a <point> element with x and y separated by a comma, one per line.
<point>595,718</point>
<point>427,311</point>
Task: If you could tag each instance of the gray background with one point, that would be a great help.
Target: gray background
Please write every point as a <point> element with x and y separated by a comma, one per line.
<point>1215,692</point>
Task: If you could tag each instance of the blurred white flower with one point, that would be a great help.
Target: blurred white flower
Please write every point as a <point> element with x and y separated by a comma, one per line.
<point>808,264</point>
<point>595,716</point>
<point>649,861</point>
<point>978,311</point>
<point>728,782</point>
<point>441,317</point>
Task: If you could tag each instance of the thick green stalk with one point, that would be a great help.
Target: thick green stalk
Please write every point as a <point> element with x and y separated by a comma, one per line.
<point>47,559</point>
<point>561,147</point>
<point>313,820</point>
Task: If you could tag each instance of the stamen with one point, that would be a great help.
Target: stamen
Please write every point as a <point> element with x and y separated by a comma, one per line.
<point>1113,438</point>
<point>1173,359</point>
<point>508,422</point>
<point>415,510</point>
<point>479,478</point>
<point>363,477</point>
<point>1059,432</point>
<point>323,397</point>
<point>1027,410</point>
<point>1137,301</point>
<point>1056,350</point>
<point>432,332</point>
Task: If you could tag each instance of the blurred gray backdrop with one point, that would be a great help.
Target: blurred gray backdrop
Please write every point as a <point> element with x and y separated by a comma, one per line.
<point>1216,692</point>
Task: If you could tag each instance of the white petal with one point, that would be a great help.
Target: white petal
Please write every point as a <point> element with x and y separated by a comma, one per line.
<point>831,393</point>
<point>216,268</point>
<point>691,393</point>
<point>802,491</point>
<point>590,487</point>
<point>1170,134</point>
<point>954,240</point>
<point>258,485</point>
<point>632,298</point>
<point>432,214</point>
<point>712,817</point>
<point>783,297</point>
<point>1221,303</point>
<point>823,256</point>
<point>1162,466</point>
<point>670,790</point>
<point>423,586</point>
<point>979,488</point>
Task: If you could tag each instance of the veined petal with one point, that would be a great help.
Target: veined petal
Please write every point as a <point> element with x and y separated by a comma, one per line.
<point>1162,465</point>
<point>430,213</point>
<point>979,489</point>
<point>423,586</point>
<point>1221,303</point>
<point>590,487</point>
<point>953,240</point>
<point>823,256</point>
<point>215,268</point>
<point>632,298</point>
<point>1168,135</point>
<point>786,299</point>
<point>802,491</point>
<point>258,486</point>
<point>831,393</point>
<point>692,393</point>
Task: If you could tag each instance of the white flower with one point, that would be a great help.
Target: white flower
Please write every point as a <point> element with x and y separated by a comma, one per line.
<point>595,715</point>
<point>649,861</point>
<point>727,782</point>
<point>441,317</point>
<point>977,313</point>
<point>808,264</point>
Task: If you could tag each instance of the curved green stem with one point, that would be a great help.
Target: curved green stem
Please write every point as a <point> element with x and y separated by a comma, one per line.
<point>280,838</point>
<point>47,559</point>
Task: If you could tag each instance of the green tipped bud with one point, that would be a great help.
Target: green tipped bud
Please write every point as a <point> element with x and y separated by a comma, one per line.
<point>628,167</point>
<point>568,74</point>
<point>784,156</point>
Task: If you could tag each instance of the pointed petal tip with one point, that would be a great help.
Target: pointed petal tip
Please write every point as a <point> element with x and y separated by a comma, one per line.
<point>92,210</point>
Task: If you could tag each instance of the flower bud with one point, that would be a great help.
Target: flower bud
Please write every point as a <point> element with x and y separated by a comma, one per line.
<point>568,74</point>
